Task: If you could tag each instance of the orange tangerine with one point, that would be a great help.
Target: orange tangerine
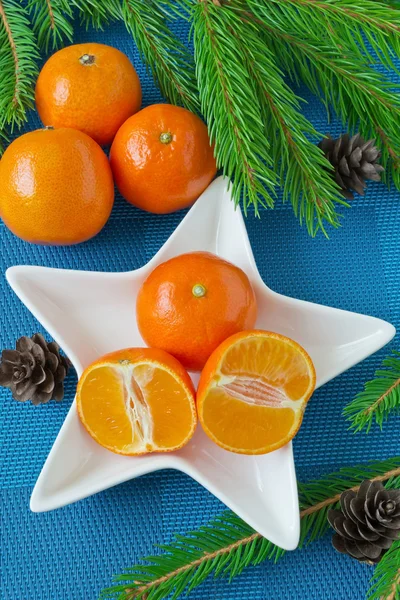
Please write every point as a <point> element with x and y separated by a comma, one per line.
<point>136,401</point>
<point>253,392</point>
<point>191,303</point>
<point>90,87</point>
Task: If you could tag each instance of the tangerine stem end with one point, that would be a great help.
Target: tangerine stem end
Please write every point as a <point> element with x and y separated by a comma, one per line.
<point>87,59</point>
<point>198,290</point>
<point>165,137</point>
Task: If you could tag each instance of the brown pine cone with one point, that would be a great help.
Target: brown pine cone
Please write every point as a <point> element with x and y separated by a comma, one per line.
<point>35,370</point>
<point>355,161</point>
<point>368,522</point>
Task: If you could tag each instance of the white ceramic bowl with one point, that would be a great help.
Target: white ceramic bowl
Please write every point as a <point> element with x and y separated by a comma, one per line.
<point>91,313</point>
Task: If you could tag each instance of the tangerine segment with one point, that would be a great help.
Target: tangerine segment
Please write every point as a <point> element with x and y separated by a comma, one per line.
<point>137,401</point>
<point>253,392</point>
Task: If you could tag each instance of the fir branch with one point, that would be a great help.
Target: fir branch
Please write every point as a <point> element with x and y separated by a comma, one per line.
<point>379,398</point>
<point>227,545</point>
<point>346,25</point>
<point>166,56</point>
<point>98,13</point>
<point>51,24</point>
<point>231,105</point>
<point>304,171</point>
<point>18,69</point>
<point>385,583</point>
<point>317,497</point>
<point>361,96</point>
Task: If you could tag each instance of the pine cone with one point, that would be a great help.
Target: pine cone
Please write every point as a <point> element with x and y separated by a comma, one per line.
<point>354,160</point>
<point>35,370</point>
<point>368,522</point>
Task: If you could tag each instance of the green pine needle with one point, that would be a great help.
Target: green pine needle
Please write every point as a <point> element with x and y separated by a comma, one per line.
<point>385,583</point>
<point>379,398</point>
<point>98,13</point>
<point>227,545</point>
<point>51,22</point>
<point>345,25</point>
<point>18,68</point>
<point>303,169</point>
<point>166,56</point>
<point>231,104</point>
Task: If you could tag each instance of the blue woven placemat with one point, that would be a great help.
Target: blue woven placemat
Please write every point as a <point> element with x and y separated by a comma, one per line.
<point>70,554</point>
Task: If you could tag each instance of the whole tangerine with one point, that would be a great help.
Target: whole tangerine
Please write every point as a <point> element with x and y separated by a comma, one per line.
<point>56,187</point>
<point>191,303</point>
<point>162,159</point>
<point>90,87</point>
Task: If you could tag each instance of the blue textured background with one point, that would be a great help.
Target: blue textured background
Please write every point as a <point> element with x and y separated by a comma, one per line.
<point>70,554</point>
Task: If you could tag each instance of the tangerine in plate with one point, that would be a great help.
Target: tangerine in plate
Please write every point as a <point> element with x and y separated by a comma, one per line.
<point>253,392</point>
<point>136,401</point>
<point>189,304</point>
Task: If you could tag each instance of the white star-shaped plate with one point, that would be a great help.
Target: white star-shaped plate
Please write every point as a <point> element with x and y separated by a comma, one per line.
<point>91,313</point>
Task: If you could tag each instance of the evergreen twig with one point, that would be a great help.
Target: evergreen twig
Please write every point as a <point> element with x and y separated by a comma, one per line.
<point>98,13</point>
<point>360,95</point>
<point>346,25</point>
<point>227,545</point>
<point>166,56</point>
<point>385,583</point>
<point>18,69</point>
<point>231,105</point>
<point>379,398</point>
<point>51,22</point>
<point>305,173</point>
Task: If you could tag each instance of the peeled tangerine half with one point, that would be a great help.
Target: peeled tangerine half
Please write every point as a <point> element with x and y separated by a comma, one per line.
<point>253,391</point>
<point>137,401</point>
